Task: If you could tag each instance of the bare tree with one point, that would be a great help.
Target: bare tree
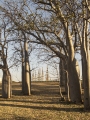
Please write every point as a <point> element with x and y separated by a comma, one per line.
<point>6,79</point>
<point>85,54</point>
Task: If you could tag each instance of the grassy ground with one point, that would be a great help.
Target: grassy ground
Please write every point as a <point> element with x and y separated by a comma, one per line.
<point>43,104</point>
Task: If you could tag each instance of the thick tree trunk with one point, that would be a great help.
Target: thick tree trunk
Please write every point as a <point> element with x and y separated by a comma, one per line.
<point>6,80</point>
<point>86,79</point>
<point>6,84</point>
<point>74,86</point>
<point>86,65</point>
<point>63,79</point>
<point>62,73</point>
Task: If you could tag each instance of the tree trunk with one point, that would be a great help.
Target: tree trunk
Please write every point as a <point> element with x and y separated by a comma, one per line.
<point>6,84</point>
<point>86,81</point>
<point>85,63</point>
<point>74,86</point>
<point>6,80</point>
<point>67,82</point>
<point>27,73</point>
<point>61,95</point>
<point>62,73</point>
<point>67,87</point>
<point>23,73</point>
<point>66,79</point>
<point>30,77</point>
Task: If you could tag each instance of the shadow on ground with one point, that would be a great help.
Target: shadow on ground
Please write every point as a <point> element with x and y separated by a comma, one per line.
<point>42,93</point>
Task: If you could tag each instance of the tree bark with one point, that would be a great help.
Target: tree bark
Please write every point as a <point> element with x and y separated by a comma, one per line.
<point>27,72</point>
<point>6,84</point>
<point>74,86</point>
<point>62,73</point>
<point>23,73</point>
<point>6,80</point>
<point>86,66</point>
<point>30,77</point>
<point>67,82</point>
<point>85,58</point>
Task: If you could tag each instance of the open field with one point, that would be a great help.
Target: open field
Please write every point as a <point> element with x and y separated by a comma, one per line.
<point>43,104</point>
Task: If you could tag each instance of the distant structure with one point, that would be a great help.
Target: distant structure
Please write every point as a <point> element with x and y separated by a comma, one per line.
<point>47,74</point>
<point>44,75</point>
<point>39,75</point>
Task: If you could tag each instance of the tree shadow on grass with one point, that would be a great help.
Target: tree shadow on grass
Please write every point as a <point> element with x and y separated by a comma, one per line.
<point>51,101</point>
<point>31,101</point>
<point>19,118</point>
<point>17,92</point>
<point>44,92</point>
<point>45,108</point>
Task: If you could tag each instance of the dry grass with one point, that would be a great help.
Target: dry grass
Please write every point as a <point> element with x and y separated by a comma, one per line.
<point>43,104</point>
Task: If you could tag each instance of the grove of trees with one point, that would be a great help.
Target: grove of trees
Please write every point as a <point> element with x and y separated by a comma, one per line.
<point>60,26</point>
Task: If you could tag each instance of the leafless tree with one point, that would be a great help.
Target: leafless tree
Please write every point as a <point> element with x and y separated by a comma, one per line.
<point>6,79</point>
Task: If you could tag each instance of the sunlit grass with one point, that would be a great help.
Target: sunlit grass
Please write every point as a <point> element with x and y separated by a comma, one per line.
<point>43,104</point>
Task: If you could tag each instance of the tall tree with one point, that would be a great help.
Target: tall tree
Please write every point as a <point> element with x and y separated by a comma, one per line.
<point>75,93</point>
<point>86,56</point>
<point>27,90</point>
<point>6,79</point>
